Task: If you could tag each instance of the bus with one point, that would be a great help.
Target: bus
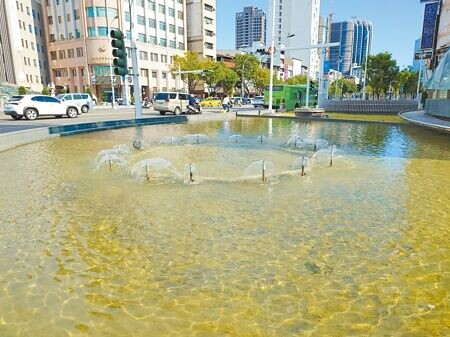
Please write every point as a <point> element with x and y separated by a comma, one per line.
<point>292,96</point>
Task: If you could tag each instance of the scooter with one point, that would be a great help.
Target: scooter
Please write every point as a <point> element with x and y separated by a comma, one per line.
<point>194,110</point>
<point>147,105</point>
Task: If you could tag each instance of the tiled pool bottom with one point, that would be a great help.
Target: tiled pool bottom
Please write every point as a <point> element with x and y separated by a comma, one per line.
<point>351,250</point>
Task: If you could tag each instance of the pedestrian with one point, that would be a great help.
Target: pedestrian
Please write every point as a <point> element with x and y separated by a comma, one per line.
<point>226,103</point>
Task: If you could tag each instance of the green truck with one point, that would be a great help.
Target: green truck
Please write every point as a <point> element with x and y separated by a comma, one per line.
<point>290,97</point>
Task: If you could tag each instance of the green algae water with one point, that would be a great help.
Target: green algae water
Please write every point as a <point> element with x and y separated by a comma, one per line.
<point>359,248</point>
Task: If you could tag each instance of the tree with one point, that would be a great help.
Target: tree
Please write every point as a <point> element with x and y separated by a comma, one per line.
<point>344,87</point>
<point>382,71</point>
<point>407,81</point>
<point>217,75</point>
<point>229,81</point>
<point>246,67</point>
<point>21,90</point>
<point>190,61</point>
<point>297,79</point>
<point>45,91</point>
<point>261,80</point>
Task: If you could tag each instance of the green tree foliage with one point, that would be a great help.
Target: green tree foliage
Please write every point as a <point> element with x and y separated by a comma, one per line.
<point>21,90</point>
<point>219,76</point>
<point>246,67</point>
<point>407,82</point>
<point>261,80</point>
<point>45,91</point>
<point>345,88</point>
<point>382,70</point>
<point>297,79</point>
<point>190,61</point>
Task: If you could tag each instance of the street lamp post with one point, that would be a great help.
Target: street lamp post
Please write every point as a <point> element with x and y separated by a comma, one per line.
<point>337,78</point>
<point>365,63</point>
<point>272,52</point>
<point>418,80</point>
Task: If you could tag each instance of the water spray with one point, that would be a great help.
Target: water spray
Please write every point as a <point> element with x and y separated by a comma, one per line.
<point>315,146</point>
<point>262,139</point>
<point>110,165</point>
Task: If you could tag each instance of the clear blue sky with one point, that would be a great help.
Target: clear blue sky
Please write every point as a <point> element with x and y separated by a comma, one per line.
<point>396,23</point>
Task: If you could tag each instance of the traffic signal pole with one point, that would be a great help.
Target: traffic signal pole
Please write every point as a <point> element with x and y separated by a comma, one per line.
<point>134,64</point>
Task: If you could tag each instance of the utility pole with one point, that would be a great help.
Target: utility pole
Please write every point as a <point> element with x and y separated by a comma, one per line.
<point>134,62</point>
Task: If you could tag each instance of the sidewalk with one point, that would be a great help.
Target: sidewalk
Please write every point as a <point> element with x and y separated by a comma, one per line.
<point>419,117</point>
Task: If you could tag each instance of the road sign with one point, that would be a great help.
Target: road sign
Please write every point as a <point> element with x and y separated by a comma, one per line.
<point>424,54</point>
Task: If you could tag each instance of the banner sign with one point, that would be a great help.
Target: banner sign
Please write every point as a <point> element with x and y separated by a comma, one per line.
<point>429,25</point>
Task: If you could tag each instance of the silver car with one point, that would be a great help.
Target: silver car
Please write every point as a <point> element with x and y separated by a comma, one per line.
<point>83,100</point>
<point>258,101</point>
<point>175,102</point>
<point>33,106</point>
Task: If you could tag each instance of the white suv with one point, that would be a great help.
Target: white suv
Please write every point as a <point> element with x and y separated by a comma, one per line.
<point>175,102</point>
<point>83,100</point>
<point>33,106</point>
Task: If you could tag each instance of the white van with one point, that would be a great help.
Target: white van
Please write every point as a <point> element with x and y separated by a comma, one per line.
<point>83,100</point>
<point>175,102</point>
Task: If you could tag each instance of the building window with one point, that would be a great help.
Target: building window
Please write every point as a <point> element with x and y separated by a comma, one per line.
<point>142,38</point>
<point>171,28</point>
<point>173,44</point>
<point>209,32</point>
<point>180,15</point>
<point>209,45</point>
<point>74,73</point>
<point>100,11</point>
<point>140,20</point>
<point>32,45</point>
<point>144,72</point>
<point>76,14</point>
<point>53,55</point>
<point>154,74</point>
<point>80,52</point>
<point>180,1</point>
<point>162,9</point>
<point>163,58</point>
<point>127,16</point>
<point>52,38</point>
<point>152,40</point>
<point>68,17</point>
<point>162,25</point>
<point>151,5</point>
<point>153,57</point>
<point>163,42</point>
<point>92,31</point>
<point>90,13</point>
<point>208,20</point>
<point>62,54</point>
<point>152,23</point>
<point>102,31</point>
<point>50,20</point>
<point>171,12</point>
<point>209,8</point>
<point>143,55</point>
<point>181,45</point>
<point>164,76</point>
<point>70,54</point>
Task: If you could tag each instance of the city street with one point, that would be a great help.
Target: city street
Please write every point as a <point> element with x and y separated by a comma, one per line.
<point>98,114</point>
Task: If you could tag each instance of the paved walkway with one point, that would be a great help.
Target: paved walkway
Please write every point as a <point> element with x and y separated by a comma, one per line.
<point>419,117</point>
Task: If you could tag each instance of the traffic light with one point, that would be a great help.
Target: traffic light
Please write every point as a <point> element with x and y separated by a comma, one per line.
<point>119,52</point>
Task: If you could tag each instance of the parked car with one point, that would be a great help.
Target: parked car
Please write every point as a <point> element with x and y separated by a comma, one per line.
<point>236,101</point>
<point>83,100</point>
<point>258,101</point>
<point>34,106</point>
<point>175,102</point>
<point>211,102</point>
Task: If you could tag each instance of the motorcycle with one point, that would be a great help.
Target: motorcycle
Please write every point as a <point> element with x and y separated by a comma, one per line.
<point>194,109</point>
<point>147,105</point>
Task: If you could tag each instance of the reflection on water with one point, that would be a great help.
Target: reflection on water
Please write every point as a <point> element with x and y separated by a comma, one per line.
<point>348,250</point>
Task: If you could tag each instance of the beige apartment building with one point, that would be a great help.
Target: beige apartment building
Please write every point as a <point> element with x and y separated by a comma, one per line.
<point>79,45</point>
<point>201,27</point>
<point>23,60</point>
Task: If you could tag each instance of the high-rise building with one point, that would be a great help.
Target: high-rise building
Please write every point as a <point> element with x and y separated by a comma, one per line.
<point>201,27</point>
<point>23,59</point>
<point>416,62</point>
<point>80,48</point>
<point>355,37</point>
<point>250,27</point>
<point>296,25</point>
